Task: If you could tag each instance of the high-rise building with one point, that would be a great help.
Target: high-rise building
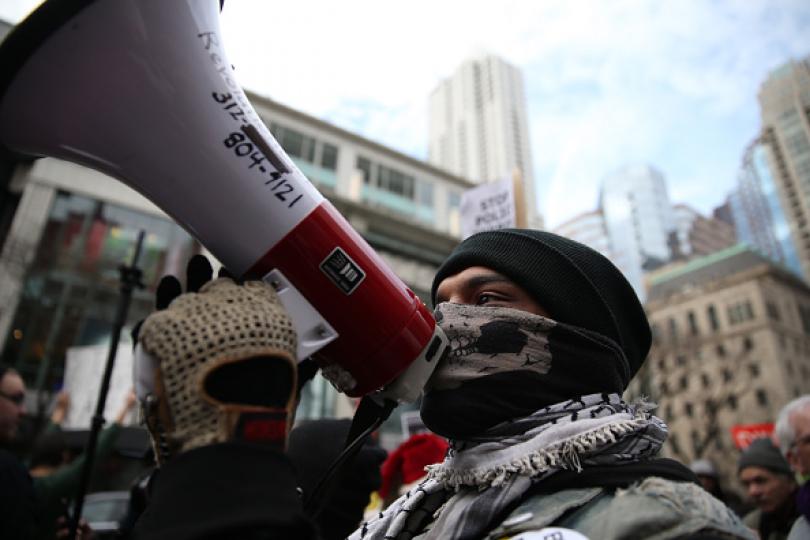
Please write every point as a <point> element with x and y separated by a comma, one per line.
<point>757,213</point>
<point>639,220</point>
<point>479,126</point>
<point>699,235</point>
<point>638,229</point>
<point>731,338</point>
<point>784,100</point>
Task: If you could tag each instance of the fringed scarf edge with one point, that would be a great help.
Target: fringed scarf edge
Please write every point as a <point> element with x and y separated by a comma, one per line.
<point>564,454</point>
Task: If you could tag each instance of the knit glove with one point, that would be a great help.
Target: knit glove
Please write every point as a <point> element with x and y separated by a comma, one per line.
<point>217,365</point>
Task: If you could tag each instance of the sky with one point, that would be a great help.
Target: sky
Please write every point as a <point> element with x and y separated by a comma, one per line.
<point>670,83</point>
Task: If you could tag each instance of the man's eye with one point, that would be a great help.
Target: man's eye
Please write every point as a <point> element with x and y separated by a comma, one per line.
<point>483,299</point>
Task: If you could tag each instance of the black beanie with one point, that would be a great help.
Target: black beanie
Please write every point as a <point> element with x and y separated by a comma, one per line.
<point>576,284</point>
<point>762,453</point>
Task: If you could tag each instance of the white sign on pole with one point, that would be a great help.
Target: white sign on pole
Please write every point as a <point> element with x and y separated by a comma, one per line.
<point>84,368</point>
<point>488,207</point>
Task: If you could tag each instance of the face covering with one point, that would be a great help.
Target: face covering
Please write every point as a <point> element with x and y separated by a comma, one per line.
<point>505,363</point>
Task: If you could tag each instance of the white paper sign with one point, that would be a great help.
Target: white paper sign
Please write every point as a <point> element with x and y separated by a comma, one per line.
<point>488,207</point>
<point>84,368</point>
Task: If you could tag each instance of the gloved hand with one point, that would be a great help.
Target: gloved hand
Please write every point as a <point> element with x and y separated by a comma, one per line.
<point>216,364</point>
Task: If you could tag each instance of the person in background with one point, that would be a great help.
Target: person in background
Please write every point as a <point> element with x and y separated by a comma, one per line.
<point>17,504</point>
<point>710,480</point>
<point>770,486</point>
<point>406,465</point>
<point>56,478</point>
<point>216,376</point>
<point>792,432</point>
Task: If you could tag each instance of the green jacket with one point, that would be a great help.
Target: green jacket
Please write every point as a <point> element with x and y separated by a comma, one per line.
<point>62,484</point>
<point>653,509</point>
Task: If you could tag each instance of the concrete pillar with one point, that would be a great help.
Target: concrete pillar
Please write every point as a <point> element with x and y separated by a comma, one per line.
<point>20,247</point>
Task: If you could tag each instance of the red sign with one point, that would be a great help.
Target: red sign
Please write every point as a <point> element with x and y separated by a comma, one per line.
<point>744,434</point>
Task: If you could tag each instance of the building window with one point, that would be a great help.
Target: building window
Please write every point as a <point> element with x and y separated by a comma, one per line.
<point>762,397</point>
<point>668,411</point>
<point>329,155</point>
<point>753,369</point>
<point>693,327</point>
<point>388,179</point>
<point>296,144</point>
<point>727,375</point>
<point>704,378</point>
<point>664,388</point>
<point>773,311</point>
<point>395,181</point>
<point>740,312</point>
<point>655,331</point>
<point>713,322</point>
<point>454,200</point>
<point>748,343</point>
<point>673,329</point>
<point>662,364</point>
<point>684,382</point>
<point>732,402</point>
<point>680,359</point>
<point>721,350</point>
<point>365,166</point>
<point>424,193</point>
<point>688,409</point>
<point>804,314</point>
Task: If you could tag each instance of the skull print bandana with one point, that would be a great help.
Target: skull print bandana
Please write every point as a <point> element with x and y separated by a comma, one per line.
<point>506,363</point>
<point>485,341</point>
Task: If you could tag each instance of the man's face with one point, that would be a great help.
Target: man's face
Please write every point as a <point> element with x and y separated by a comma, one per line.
<point>12,408</point>
<point>480,286</point>
<point>798,455</point>
<point>766,489</point>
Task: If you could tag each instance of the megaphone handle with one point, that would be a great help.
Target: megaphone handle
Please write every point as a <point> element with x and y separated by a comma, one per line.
<point>368,417</point>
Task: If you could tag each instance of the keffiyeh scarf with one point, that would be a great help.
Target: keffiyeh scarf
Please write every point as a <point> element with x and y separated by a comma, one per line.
<point>482,477</point>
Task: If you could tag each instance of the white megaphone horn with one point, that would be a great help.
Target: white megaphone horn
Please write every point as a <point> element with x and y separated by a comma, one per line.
<point>142,90</point>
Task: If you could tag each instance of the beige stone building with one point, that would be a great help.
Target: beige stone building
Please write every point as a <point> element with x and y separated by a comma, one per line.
<point>731,346</point>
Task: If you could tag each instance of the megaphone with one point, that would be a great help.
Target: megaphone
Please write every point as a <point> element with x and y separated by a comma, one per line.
<point>142,90</point>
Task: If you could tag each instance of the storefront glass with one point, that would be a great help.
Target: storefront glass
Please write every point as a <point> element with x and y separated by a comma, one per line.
<point>71,291</point>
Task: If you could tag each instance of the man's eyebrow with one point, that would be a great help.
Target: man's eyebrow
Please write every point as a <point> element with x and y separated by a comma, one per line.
<point>486,279</point>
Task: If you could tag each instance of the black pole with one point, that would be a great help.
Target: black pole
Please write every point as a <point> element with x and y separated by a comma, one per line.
<point>130,278</point>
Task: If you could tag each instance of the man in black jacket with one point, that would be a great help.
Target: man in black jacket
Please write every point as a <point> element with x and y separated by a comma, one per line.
<point>16,487</point>
<point>216,376</point>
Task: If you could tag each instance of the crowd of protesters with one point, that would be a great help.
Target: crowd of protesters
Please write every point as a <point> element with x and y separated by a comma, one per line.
<point>529,429</point>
